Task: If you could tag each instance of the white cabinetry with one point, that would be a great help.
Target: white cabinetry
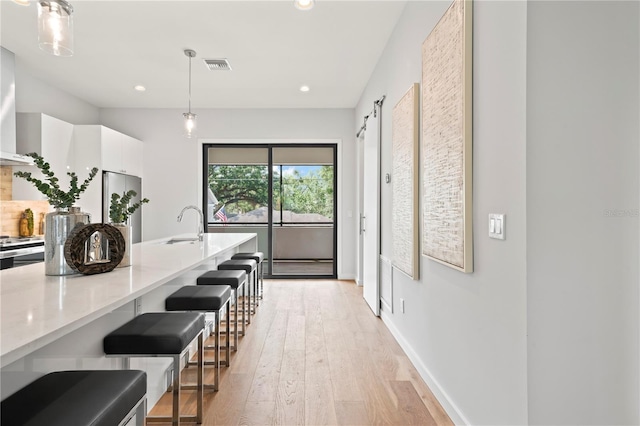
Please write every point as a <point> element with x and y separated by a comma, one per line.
<point>108,150</point>
<point>53,140</point>
<point>121,153</point>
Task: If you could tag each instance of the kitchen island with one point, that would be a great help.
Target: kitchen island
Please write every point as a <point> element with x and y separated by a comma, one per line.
<point>50,322</point>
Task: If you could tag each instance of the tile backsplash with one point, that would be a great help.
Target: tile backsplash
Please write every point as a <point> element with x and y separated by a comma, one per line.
<point>11,212</point>
<point>6,179</point>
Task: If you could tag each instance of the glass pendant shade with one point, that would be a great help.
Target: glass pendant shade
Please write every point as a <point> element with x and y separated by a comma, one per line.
<point>55,27</point>
<point>189,124</point>
<point>189,117</point>
<point>303,4</point>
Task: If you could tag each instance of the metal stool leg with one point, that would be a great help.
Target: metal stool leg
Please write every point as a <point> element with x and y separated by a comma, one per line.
<point>262,280</point>
<point>248,288</point>
<point>228,345</point>
<point>256,290</point>
<point>176,391</point>
<point>216,372</point>
<point>200,395</point>
<point>244,307</point>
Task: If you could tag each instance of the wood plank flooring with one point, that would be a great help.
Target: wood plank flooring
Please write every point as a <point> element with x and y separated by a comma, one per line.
<point>314,354</point>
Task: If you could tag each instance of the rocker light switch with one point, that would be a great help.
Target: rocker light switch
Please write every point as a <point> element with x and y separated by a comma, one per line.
<point>497,226</point>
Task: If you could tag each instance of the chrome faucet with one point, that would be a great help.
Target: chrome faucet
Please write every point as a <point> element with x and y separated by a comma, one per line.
<point>200,223</point>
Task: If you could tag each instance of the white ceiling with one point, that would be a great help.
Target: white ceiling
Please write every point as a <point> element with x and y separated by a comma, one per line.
<point>273,49</point>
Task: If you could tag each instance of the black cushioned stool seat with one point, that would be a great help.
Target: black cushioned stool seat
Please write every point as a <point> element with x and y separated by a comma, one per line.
<point>78,398</point>
<point>159,334</point>
<point>235,279</point>
<point>194,298</point>
<point>208,299</point>
<point>258,256</point>
<point>247,265</point>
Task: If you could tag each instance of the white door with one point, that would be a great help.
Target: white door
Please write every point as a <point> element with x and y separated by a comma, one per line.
<point>360,204</point>
<point>369,220</point>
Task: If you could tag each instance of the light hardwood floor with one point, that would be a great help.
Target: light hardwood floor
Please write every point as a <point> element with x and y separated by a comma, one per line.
<point>314,354</point>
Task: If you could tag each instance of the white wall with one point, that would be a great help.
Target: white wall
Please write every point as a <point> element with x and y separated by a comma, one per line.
<point>545,331</point>
<point>467,333</point>
<point>33,95</point>
<point>582,165</point>
<point>172,165</point>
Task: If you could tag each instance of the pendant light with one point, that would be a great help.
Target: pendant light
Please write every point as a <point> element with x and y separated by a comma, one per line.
<point>189,117</point>
<point>55,27</point>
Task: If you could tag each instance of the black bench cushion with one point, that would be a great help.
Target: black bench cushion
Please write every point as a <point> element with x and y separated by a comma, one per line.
<point>79,398</point>
<point>247,265</point>
<point>198,298</point>
<point>155,333</point>
<point>232,278</point>
<point>258,256</point>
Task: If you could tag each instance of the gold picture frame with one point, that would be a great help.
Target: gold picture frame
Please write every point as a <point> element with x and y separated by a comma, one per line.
<point>447,106</point>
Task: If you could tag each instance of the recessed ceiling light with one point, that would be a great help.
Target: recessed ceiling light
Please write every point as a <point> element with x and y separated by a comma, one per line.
<point>304,88</point>
<point>22,2</point>
<point>303,4</point>
<point>140,88</point>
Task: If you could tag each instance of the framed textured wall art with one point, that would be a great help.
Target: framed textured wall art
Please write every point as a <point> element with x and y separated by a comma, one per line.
<point>404,196</point>
<point>446,139</point>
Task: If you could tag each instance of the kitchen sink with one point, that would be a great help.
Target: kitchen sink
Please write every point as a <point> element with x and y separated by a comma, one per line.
<point>181,240</point>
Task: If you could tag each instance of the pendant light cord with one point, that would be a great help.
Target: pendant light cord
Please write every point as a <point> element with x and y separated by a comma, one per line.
<point>190,57</point>
<point>191,54</point>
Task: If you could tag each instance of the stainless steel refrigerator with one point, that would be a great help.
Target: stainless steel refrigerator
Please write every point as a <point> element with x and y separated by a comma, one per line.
<point>119,183</point>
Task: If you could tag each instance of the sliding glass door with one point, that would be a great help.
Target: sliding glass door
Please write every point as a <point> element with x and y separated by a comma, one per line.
<point>284,193</point>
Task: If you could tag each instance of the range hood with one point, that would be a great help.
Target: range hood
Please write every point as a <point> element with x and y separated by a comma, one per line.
<point>10,159</point>
<point>8,156</point>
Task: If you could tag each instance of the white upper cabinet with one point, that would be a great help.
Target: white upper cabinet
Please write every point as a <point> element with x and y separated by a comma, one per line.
<point>132,156</point>
<point>53,140</point>
<point>108,150</point>
<point>121,153</point>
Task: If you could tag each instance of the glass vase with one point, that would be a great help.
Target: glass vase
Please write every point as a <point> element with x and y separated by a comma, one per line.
<point>58,226</point>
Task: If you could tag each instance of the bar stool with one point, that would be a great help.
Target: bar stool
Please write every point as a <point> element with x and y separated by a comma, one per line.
<point>258,256</point>
<point>80,398</point>
<point>236,280</point>
<point>249,266</point>
<point>162,334</point>
<point>212,299</point>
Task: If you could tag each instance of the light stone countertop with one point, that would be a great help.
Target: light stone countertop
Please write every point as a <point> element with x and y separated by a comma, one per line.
<point>37,309</point>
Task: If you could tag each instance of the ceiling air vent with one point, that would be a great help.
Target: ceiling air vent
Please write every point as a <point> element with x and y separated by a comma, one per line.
<point>218,64</point>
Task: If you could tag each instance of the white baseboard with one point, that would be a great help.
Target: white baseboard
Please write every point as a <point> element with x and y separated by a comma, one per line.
<point>347,277</point>
<point>443,398</point>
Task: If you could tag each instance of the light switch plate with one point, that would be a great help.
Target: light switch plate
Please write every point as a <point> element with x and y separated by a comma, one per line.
<point>497,226</point>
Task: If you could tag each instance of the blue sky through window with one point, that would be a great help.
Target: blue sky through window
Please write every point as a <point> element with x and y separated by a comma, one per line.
<point>303,170</point>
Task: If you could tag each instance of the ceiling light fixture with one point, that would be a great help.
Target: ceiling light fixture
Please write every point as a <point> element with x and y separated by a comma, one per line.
<point>140,88</point>
<point>22,2</point>
<point>55,27</point>
<point>304,88</point>
<point>303,4</point>
<point>189,117</point>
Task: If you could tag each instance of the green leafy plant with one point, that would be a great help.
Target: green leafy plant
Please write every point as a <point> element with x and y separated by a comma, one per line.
<point>120,210</point>
<point>50,187</point>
